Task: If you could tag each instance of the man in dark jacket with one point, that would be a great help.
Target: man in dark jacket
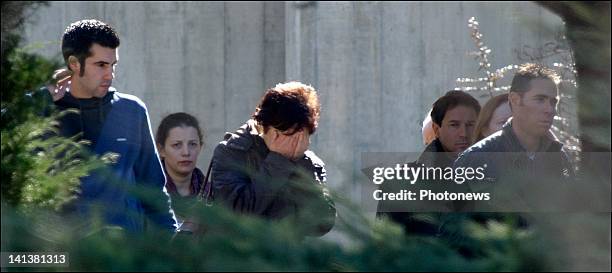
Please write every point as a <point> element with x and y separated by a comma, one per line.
<point>527,169</point>
<point>453,117</point>
<point>265,169</point>
<point>111,122</point>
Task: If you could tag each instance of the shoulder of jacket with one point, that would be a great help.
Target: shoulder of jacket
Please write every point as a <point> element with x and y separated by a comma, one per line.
<point>127,98</point>
<point>477,151</point>
<point>242,139</point>
<point>236,142</point>
<point>492,143</point>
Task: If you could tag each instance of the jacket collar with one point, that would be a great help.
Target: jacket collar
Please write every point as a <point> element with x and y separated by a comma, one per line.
<point>68,101</point>
<point>548,143</point>
<point>435,155</point>
<point>197,178</point>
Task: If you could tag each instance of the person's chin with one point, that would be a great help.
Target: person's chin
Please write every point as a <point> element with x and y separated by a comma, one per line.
<point>541,130</point>
<point>101,92</point>
<point>186,169</point>
<point>461,147</point>
<point>544,127</point>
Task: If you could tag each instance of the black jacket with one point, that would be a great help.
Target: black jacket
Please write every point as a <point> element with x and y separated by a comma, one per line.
<point>420,223</point>
<point>249,178</point>
<point>516,179</point>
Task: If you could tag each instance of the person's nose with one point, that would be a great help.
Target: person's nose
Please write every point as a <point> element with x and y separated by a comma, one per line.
<point>109,74</point>
<point>550,108</point>
<point>463,131</point>
<point>185,151</point>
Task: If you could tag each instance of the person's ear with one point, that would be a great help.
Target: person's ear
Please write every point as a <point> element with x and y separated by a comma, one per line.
<point>514,100</point>
<point>436,129</point>
<point>160,150</point>
<point>74,64</point>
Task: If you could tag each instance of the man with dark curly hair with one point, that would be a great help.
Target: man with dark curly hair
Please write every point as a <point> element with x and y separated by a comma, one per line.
<point>111,122</point>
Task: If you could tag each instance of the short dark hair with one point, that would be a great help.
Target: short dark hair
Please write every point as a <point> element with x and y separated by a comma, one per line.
<point>180,119</point>
<point>449,101</point>
<point>79,37</point>
<point>528,72</point>
<point>289,105</point>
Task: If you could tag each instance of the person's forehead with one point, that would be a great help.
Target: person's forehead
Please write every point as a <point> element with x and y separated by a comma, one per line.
<point>182,132</point>
<point>542,87</point>
<point>460,112</point>
<point>100,53</point>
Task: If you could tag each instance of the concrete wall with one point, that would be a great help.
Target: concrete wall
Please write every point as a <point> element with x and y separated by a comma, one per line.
<point>377,65</point>
<point>210,59</point>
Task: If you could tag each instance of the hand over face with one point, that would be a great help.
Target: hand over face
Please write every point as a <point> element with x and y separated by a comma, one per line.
<point>290,146</point>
